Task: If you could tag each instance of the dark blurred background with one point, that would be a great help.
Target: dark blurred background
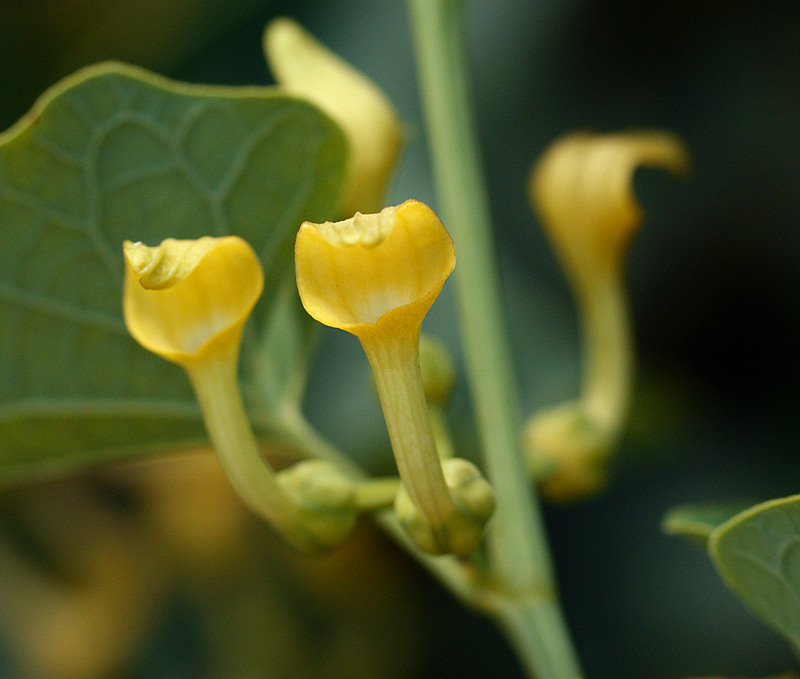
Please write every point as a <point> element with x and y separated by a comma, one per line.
<point>712,278</point>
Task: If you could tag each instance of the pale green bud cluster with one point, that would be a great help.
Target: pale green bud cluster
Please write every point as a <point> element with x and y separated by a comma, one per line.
<point>326,498</point>
<point>567,453</point>
<point>475,500</point>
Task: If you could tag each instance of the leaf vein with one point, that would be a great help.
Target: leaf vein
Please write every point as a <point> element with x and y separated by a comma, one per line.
<point>49,213</point>
<point>39,303</point>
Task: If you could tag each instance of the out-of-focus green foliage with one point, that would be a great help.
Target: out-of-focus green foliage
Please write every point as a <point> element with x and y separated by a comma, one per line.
<point>758,554</point>
<point>116,153</point>
<point>697,522</point>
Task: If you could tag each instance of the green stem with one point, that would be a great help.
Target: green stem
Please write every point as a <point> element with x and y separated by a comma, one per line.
<point>395,365</point>
<point>216,386</point>
<point>517,547</point>
<point>532,624</point>
<point>376,495</point>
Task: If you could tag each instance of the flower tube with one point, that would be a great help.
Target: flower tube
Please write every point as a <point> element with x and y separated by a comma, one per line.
<point>376,276</point>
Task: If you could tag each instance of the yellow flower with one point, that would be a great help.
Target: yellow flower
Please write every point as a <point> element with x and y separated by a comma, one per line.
<point>582,189</point>
<point>304,67</point>
<point>376,276</point>
<point>185,299</point>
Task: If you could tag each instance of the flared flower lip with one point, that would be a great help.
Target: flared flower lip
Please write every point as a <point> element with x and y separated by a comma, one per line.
<point>205,292</point>
<point>582,189</point>
<point>420,255</point>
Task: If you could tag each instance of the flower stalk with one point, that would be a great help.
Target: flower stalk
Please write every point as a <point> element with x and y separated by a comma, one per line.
<point>395,365</point>
<point>216,386</point>
<point>608,351</point>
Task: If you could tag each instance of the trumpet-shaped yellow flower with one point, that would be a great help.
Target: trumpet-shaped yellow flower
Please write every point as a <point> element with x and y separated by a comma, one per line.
<point>304,67</point>
<point>376,276</point>
<point>582,189</point>
<point>185,299</point>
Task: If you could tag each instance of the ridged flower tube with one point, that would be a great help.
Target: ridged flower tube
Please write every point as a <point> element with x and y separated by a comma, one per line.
<point>376,276</point>
<point>187,301</point>
<point>302,66</point>
<point>582,189</point>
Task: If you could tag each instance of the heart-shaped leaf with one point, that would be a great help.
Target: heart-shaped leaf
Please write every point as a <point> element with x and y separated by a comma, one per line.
<point>114,153</point>
<point>758,554</point>
<point>278,365</point>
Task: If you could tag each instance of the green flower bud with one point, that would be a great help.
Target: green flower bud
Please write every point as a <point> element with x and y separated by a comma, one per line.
<point>567,454</point>
<point>326,498</point>
<point>474,498</point>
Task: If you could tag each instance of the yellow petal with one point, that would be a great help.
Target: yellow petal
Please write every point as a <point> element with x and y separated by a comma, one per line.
<point>374,272</point>
<point>304,67</point>
<point>185,299</point>
<point>582,188</point>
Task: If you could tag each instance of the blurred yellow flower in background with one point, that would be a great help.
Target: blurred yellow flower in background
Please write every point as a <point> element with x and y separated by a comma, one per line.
<point>304,67</point>
<point>582,188</point>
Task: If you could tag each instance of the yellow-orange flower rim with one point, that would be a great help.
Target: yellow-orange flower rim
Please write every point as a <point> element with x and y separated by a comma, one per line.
<point>374,273</point>
<point>582,188</point>
<point>185,299</point>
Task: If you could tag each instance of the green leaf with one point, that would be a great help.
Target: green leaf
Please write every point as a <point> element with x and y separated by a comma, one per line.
<point>277,367</point>
<point>697,521</point>
<point>110,153</point>
<point>757,552</point>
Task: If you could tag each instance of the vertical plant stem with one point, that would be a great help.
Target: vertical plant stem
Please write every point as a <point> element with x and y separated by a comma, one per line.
<point>517,548</point>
